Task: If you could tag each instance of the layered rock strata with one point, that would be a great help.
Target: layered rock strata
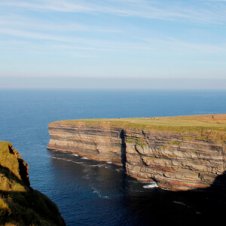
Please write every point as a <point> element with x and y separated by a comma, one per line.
<point>176,157</point>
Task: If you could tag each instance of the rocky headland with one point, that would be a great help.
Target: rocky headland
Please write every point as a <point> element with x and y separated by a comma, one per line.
<point>177,153</point>
<point>21,205</point>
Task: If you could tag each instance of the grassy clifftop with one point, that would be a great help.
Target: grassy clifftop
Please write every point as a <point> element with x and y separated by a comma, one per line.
<point>211,127</point>
<point>19,203</point>
<point>214,121</point>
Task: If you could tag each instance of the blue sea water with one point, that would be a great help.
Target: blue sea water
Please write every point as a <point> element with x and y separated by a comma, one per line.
<point>88,192</point>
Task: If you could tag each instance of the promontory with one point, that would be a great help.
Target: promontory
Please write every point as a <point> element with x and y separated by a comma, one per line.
<point>177,153</point>
<point>20,204</point>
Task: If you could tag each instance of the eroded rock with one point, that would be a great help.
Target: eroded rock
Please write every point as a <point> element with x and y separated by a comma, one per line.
<point>176,157</point>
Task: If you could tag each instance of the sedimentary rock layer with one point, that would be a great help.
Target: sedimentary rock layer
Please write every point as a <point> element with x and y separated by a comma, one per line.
<point>180,153</point>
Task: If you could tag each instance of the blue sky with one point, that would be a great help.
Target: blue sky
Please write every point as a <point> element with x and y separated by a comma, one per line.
<point>115,39</point>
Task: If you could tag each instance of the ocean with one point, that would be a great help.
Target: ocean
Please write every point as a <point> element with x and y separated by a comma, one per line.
<point>88,192</point>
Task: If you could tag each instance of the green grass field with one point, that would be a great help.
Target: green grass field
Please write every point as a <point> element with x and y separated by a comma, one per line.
<point>216,122</point>
<point>204,127</point>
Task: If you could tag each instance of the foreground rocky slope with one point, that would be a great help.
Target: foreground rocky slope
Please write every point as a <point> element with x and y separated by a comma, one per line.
<point>178,153</point>
<point>19,204</point>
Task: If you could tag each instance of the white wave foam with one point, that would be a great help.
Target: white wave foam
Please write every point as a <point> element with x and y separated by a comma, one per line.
<point>151,185</point>
<point>180,203</point>
<point>95,191</point>
<point>67,160</point>
<point>84,158</point>
<point>97,165</point>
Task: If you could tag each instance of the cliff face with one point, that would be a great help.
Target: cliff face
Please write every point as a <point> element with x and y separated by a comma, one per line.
<point>19,204</point>
<point>176,157</point>
<point>171,161</point>
<point>97,143</point>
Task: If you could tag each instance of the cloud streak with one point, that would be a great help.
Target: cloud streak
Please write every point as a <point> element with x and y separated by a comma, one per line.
<point>201,11</point>
<point>71,43</point>
<point>113,37</point>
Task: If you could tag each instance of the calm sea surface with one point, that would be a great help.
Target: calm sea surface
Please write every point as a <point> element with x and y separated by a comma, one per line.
<point>87,192</point>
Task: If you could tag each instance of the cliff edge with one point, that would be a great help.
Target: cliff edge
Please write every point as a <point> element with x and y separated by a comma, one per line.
<point>177,153</point>
<point>20,204</point>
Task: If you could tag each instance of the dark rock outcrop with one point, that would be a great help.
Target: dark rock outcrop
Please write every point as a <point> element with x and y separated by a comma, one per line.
<point>20,204</point>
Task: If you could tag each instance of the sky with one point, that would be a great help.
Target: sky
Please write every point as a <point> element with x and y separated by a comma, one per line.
<point>152,44</point>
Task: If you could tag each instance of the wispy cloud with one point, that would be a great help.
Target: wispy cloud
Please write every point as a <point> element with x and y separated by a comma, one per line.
<point>61,6</point>
<point>68,35</point>
<point>23,22</point>
<point>70,43</point>
<point>133,36</point>
<point>199,12</point>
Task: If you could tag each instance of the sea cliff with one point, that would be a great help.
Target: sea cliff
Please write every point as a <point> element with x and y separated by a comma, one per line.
<point>177,153</point>
<point>20,204</point>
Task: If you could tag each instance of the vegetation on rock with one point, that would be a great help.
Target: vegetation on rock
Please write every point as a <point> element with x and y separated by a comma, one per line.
<point>203,127</point>
<point>177,153</point>
<point>20,204</point>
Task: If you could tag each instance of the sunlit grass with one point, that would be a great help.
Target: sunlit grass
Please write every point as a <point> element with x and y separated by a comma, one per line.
<point>212,121</point>
<point>203,127</point>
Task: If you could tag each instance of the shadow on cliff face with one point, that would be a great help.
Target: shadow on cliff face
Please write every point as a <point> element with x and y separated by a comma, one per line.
<point>19,203</point>
<point>195,207</point>
<point>6,173</point>
<point>28,208</point>
<point>123,150</point>
<point>25,207</point>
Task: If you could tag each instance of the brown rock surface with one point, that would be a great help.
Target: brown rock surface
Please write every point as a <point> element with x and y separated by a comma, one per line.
<point>178,153</point>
